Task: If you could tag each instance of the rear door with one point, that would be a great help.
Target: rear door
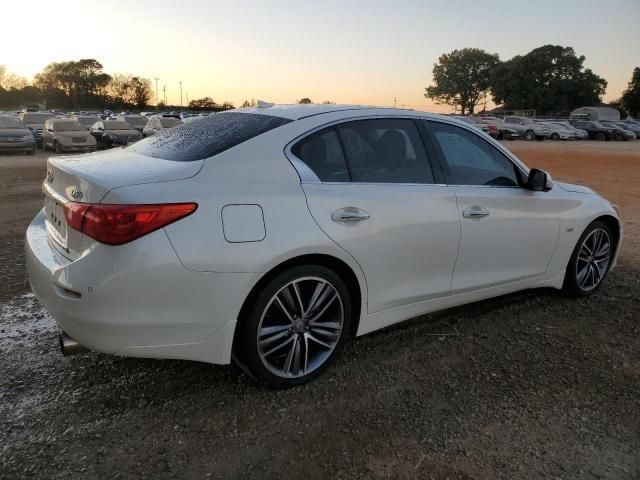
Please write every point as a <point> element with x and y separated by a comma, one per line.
<point>371,189</point>
<point>508,232</point>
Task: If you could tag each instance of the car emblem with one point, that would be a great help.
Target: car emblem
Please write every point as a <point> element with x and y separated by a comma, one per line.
<point>77,194</point>
<point>49,176</point>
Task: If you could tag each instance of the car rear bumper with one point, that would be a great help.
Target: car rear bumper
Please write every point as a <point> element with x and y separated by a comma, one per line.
<point>136,299</point>
<point>78,148</point>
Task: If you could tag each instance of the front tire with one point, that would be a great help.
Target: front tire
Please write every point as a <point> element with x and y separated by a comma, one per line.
<point>295,327</point>
<point>555,136</point>
<point>590,260</point>
<point>529,135</point>
<point>600,137</point>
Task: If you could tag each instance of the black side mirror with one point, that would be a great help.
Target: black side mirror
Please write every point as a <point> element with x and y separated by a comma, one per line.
<point>539,180</point>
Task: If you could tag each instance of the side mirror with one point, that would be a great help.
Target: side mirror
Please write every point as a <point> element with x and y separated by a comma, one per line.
<point>49,129</point>
<point>539,180</point>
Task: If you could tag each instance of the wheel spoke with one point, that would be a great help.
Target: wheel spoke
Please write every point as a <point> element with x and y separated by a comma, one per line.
<point>583,273</point>
<point>326,302</point>
<point>289,360</point>
<point>320,288</point>
<point>279,346</point>
<point>296,290</point>
<point>289,302</point>
<point>318,341</point>
<point>283,308</point>
<point>264,331</point>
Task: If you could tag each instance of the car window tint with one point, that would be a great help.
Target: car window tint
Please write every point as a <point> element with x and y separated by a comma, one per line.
<point>208,137</point>
<point>471,160</point>
<point>385,151</point>
<point>322,153</point>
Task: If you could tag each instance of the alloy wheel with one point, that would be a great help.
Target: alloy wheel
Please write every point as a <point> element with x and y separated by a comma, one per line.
<point>300,327</point>
<point>593,259</point>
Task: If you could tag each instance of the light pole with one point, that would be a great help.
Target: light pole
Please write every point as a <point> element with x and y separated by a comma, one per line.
<point>164,94</point>
<point>156,79</point>
<point>180,94</point>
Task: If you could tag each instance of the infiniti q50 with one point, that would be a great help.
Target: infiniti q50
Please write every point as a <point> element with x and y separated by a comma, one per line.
<point>271,235</point>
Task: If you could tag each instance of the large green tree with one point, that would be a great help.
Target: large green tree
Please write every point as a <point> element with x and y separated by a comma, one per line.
<point>550,79</point>
<point>631,96</point>
<point>462,78</point>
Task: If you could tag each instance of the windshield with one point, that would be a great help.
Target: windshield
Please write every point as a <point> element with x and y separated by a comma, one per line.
<point>10,122</point>
<point>170,122</point>
<point>117,125</point>
<point>68,127</point>
<point>208,137</point>
<point>36,117</point>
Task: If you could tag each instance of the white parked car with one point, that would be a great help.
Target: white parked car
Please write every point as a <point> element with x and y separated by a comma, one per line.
<point>270,235</point>
<point>557,131</point>
<point>159,123</point>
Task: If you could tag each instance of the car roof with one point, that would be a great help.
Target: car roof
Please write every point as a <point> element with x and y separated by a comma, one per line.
<point>298,111</point>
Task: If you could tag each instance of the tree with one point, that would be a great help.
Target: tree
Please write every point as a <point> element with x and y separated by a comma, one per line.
<point>206,103</point>
<point>141,91</point>
<point>73,83</point>
<point>11,81</point>
<point>631,96</point>
<point>305,100</point>
<point>462,78</point>
<point>248,103</point>
<point>550,79</point>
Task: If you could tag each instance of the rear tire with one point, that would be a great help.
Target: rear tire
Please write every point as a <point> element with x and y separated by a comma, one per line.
<point>600,137</point>
<point>555,136</point>
<point>288,339</point>
<point>57,147</point>
<point>529,135</point>
<point>590,260</point>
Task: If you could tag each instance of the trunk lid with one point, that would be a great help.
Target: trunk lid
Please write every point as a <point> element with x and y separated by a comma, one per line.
<point>88,178</point>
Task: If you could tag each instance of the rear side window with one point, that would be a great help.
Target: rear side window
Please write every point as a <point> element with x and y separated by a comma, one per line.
<point>208,137</point>
<point>386,150</point>
<point>322,153</point>
<point>367,151</point>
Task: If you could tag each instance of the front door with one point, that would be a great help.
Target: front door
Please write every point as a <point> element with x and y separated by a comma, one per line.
<point>508,232</point>
<point>378,199</point>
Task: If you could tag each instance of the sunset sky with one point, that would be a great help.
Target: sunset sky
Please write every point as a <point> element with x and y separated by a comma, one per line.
<point>345,51</point>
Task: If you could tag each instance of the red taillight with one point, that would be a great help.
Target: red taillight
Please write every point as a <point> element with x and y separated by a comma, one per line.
<point>118,224</point>
<point>493,129</point>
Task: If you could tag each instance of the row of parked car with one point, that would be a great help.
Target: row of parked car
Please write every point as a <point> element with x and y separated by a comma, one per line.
<point>512,127</point>
<point>79,132</point>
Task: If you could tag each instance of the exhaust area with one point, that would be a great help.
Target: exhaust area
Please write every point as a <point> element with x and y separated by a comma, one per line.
<point>69,346</point>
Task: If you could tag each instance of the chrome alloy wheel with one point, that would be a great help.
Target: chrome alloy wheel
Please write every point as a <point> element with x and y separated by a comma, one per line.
<point>593,259</point>
<point>300,327</point>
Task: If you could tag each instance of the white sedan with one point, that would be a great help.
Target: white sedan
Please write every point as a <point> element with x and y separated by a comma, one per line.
<point>270,235</point>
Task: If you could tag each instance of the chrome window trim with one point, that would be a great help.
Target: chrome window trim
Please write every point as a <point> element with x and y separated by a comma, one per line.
<point>308,176</point>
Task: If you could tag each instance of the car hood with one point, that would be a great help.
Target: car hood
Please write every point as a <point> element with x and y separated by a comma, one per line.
<point>570,187</point>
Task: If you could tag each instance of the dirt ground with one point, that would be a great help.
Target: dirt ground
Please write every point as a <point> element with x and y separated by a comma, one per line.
<point>530,385</point>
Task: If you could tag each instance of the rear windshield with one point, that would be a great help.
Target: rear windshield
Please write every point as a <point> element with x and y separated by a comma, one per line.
<point>207,137</point>
<point>10,122</point>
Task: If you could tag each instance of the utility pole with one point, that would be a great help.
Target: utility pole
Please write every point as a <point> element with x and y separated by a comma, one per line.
<point>187,98</point>
<point>180,94</point>
<point>156,79</point>
<point>164,94</point>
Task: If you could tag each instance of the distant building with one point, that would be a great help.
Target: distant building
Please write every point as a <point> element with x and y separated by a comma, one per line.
<point>596,113</point>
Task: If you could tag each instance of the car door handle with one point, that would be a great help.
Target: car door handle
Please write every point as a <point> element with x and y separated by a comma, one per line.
<point>475,212</point>
<point>349,215</point>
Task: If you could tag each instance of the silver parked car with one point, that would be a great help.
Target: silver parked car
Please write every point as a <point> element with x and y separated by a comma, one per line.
<point>67,135</point>
<point>158,123</point>
<point>15,136</point>
<point>528,129</point>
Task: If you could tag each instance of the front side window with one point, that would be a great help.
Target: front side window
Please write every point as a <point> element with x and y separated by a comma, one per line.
<point>322,153</point>
<point>386,150</point>
<point>471,160</point>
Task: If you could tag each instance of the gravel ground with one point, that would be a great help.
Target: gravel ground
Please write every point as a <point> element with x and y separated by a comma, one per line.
<point>531,385</point>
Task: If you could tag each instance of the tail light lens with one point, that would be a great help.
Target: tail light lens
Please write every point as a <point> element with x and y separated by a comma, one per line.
<point>119,224</point>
